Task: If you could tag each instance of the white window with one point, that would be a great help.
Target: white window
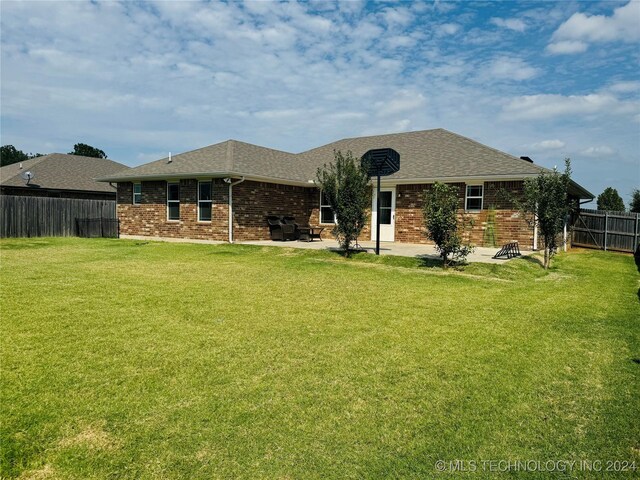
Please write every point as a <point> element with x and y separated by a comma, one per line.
<point>137,193</point>
<point>473,199</point>
<point>204,201</point>
<point>326,212</point>
<point>173,201</point>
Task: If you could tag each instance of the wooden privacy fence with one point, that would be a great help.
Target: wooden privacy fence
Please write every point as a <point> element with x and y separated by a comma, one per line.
<point>606,230</point>
<point>55,217</point>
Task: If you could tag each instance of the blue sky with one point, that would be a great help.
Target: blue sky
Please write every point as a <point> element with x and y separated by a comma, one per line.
<point>545,79</point>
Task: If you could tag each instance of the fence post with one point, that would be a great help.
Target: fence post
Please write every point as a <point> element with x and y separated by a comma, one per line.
<point>606,226</point>
<point>635,236</point>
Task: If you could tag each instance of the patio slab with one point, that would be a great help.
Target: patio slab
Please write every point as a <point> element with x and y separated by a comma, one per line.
<point>480,254</point>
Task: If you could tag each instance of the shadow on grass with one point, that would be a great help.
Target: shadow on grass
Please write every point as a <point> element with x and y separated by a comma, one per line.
<point>428,261</point>
<point>535,260</point>
<point>24,244</point>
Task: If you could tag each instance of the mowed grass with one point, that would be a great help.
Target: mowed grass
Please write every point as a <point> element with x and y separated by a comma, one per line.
<point>125,359</point>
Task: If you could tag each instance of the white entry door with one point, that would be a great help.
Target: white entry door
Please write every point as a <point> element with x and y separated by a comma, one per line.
<point>387,214</point>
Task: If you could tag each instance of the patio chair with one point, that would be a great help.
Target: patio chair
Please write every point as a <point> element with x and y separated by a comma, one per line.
<point>279,230</point>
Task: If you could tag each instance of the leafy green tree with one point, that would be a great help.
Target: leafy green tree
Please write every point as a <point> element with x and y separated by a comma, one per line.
<point>440,212</point>
<point>610,200</point>
<point>346,186</point>
<point>10,154</point>
<point>546,203</point>
<point>634,204</point>
<point>87,151</point>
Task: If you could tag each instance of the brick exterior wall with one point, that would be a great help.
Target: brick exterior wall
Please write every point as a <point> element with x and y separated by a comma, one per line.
<point>150,217</point>
<point>253,201</point>
<point>508,225</point>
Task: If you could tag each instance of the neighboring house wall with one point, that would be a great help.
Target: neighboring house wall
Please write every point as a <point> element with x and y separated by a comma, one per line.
<point>44,192</point>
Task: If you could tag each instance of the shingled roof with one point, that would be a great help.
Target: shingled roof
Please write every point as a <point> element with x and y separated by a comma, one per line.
<point>59,171</point>
<point>425,155</point>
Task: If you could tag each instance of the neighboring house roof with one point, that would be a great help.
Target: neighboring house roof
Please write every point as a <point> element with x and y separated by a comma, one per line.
<point>425,155</point>
<point>58,171</point>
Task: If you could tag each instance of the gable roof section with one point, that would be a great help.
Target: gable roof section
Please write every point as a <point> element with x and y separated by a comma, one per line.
<point>425,155</point>
<point>429,154</point>
<point>59,171</point>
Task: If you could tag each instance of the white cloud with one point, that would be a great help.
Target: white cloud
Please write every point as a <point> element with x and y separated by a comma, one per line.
<point>547,145</point>
<point>511,23</point>
<point>546,106</point>
<point>623,25</point>
<point>508,68</point>
<point>597,152</point>
<point>567,47</point>
<point>448,28</point>
<point>625,87</point>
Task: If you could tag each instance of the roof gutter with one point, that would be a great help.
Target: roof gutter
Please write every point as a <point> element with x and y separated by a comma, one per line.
<point>231,184</point>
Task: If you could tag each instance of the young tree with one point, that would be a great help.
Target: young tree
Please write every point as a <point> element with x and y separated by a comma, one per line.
<point>634,204</point>
<point>546,203</point>
<point>440,216</point>
<point>610,200</point>
<point>346,186</point>
<point>87,151</point>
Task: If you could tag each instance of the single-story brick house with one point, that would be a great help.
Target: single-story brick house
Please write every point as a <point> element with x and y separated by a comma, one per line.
<point>225,191</point>
<point>61,175</point>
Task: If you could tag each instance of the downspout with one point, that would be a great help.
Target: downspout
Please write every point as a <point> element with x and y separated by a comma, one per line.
<point>231,184</point>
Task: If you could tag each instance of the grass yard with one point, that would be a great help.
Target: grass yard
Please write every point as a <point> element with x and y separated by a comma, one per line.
<point>125,359</point>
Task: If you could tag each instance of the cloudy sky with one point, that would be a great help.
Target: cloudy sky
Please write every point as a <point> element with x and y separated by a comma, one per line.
<point>545,79</point>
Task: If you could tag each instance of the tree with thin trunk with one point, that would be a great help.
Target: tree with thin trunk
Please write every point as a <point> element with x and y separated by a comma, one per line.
<point>546,205</point>
<point>346,186</point>
<point>440,212</point>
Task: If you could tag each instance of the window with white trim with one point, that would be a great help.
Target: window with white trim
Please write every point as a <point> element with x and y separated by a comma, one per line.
<point>205,201</point>
<point>326,212</point>
<point>137,193</point>
<point>473,198</point>
<point>173,201</point>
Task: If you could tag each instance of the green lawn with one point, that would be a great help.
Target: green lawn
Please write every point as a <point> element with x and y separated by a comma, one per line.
<point>125,359</point>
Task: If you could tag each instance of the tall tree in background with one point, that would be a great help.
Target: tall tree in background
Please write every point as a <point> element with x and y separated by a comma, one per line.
<point>345,184</point>
<point>10,154</point>
<point>87,151</point>
<point>546,202</point>
<point>441,219</point>
<point>610,200</point>
<point>634,204</point>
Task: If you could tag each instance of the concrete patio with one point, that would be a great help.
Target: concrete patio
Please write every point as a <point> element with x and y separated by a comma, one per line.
<point>480,254</point>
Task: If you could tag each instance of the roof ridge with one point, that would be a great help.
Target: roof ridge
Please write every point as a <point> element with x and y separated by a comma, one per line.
<point>371,136</point>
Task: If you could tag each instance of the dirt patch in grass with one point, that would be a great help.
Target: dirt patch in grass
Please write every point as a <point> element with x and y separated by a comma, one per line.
<point>92,437</point>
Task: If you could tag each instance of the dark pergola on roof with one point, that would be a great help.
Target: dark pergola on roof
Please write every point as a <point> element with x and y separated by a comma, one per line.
<point>58,171</point>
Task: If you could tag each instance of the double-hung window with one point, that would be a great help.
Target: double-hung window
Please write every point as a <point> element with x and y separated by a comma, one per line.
<point>173,201</point>
<point>137,193</point>
<point>473,198</point>
<point>326,212</point>
<point>204,201</point>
